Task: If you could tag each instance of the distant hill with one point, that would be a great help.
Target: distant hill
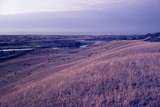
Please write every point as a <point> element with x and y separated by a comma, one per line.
<point>153,37</point>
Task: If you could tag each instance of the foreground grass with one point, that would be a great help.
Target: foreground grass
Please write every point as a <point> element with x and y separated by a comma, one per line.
<point>124,74</point>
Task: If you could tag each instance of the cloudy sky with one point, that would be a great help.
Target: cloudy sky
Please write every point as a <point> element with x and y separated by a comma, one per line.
<point>79,16</point>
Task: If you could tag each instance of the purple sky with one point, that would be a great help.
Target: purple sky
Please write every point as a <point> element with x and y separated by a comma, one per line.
<point>79,17</point>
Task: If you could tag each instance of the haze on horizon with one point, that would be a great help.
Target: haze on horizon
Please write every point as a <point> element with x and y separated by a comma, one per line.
<point>79,16</point>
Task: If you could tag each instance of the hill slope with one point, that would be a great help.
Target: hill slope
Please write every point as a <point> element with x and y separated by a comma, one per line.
<point>122,73</point>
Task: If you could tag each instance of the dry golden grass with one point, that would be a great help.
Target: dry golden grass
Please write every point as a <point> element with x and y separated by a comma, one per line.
<point>120,74</point>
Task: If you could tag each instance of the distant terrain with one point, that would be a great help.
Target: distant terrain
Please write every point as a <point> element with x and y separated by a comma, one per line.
<point>80,71</point>
<point>12,46</point>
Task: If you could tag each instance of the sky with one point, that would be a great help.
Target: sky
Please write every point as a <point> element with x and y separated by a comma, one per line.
<point>79,16</point>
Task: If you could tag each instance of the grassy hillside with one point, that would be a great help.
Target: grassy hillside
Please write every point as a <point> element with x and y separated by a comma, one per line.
<point>118,74</point>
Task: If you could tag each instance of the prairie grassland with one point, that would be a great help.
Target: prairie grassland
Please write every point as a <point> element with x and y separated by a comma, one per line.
<point>120,74</point>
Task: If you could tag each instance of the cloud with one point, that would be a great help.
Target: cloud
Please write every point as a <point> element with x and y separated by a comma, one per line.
<point>101,16</point>
<point>25,6</point>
